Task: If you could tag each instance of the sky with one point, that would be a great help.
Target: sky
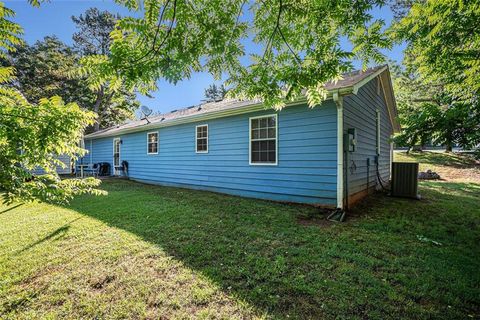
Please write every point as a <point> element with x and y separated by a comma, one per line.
<point>54,18</point>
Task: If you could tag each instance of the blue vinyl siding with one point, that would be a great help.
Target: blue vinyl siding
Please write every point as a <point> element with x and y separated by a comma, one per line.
<point>360,113</point>
<point>307,151</point>
<point>99,150</point>
<point>66,169</point>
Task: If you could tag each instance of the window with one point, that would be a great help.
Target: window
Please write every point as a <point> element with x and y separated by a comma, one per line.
<point>378,129</point>
<point>263,140</point>
<point>201,141</point>
<point>152,143</point>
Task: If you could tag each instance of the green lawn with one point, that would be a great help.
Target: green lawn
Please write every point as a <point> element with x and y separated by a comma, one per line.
<point>157,252</point>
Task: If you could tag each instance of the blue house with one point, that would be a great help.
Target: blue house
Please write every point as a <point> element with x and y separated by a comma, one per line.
<point>327,155</point>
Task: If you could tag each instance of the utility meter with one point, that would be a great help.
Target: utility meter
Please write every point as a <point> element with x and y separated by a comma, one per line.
<point>352,139</point>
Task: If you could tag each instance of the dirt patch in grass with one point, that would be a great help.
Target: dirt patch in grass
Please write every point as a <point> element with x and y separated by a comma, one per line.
<point>321,222</point>
<point>471,174</point>
<point>99,282</point>
<point>450,166</point>
<point>316,217</point>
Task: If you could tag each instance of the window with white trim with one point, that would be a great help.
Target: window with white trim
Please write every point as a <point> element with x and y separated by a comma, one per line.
<point>378,131</point>
<point>152,143</point>
<point>201,142</point>
<point>263,140</point>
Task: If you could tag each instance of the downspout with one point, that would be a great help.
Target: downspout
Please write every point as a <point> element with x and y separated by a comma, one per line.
<point>391,155</point>
<point>338,99</point>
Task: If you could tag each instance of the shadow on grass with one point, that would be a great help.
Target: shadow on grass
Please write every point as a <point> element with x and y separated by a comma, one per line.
<point>11,208</point>
<point>54,235</point>
<point>258,252</point>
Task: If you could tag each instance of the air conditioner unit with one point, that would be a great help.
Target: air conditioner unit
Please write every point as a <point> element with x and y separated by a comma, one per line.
<point>405,180</point>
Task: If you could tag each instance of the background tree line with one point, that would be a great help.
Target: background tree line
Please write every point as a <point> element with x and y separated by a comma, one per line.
<point>47,68</point>
<point>437,86</point>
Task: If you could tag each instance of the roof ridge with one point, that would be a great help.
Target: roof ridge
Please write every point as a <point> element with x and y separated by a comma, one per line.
<point>349,80</point>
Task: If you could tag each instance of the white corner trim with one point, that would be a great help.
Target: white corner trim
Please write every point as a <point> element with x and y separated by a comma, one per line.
<point>391,156</point>
<point>378,129</point>
<point>389,107</point>
<point>339,102</point>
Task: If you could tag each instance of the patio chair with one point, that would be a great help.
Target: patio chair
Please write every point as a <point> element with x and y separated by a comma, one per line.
<point>88,170</point>
<point>79,168</point>
<point>96,170</point>
<point>104,169</point>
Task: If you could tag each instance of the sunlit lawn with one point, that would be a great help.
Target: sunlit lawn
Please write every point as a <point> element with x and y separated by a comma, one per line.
<point>156,252</point>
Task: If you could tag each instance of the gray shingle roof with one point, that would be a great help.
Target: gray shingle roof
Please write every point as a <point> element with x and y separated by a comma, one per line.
<point>349,79</point>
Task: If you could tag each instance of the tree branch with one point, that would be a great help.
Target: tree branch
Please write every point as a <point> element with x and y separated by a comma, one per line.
<point>289,48</point>
<point>153,49</point>
<point>169,28</point>
<point>279,29</point>
<point>273,32</point>
<point>236,21</point>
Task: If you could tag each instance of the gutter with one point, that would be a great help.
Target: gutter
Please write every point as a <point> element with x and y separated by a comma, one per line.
<point>338,99</point>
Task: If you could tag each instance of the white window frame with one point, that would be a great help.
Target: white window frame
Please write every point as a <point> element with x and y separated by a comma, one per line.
<point>378,129</point>
<point>119,154</point>
<point>196,138</point>
<point>158,140</point>
<point>250,141</point>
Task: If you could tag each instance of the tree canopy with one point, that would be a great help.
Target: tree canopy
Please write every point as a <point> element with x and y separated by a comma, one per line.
<point>47,68</point>
<point>438,90</point>
<point>32,134</point>
<point>435,119</point>
<point>112,105</point>
<point>443,42</point>
<point>215,93</point>
<point>94,28</point>
<point>44,69</point>
<point>300,45</point>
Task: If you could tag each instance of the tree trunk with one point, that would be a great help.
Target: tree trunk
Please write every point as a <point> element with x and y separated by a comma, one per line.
<point>448,142</point>
<point>96,109</point>
<point>449,146</point>
<point>411,143</point>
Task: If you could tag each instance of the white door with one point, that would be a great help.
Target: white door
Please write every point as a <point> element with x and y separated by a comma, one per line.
<point>116,156</point>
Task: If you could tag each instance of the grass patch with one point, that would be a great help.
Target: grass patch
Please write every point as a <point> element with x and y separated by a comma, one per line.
<point>438,158</point>
<point>149,252</point>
